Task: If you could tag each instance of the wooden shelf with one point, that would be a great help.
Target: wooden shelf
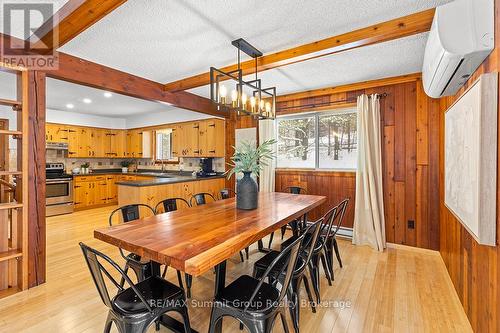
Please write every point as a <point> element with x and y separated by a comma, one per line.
<point>12,103</point>
<point>10,173</point>
<point>7,132</point>
<point>12,254</point>
<point>10,205</point>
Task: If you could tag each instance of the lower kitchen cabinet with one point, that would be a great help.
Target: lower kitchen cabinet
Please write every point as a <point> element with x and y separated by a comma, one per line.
<point>94,191</point>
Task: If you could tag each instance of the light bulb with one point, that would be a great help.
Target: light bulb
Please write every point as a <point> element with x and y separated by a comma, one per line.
<point>234,98</point>
<point>261,105</point>
<point>223,93</point>
<point>244,101</point>
<point>252,104</point>
<point>268,109</point>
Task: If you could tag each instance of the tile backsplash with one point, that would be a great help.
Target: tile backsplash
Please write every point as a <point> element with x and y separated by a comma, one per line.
<point>186,163</point>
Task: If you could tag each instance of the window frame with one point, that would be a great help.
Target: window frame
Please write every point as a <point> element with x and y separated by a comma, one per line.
<point>316,115</point>
<point>172,160</point>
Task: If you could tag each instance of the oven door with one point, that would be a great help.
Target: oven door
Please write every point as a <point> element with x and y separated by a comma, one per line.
<point>59,191</point>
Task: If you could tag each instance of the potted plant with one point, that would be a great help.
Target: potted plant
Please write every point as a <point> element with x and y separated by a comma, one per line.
<point>249,159</point>
<point>84,168</point>
<point>125,164</point>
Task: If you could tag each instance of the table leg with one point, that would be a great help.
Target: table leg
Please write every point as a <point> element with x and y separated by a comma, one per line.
<point>220,283</point>
<point>167,321</point>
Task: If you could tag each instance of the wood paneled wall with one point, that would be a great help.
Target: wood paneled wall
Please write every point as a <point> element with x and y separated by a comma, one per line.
<point>410,125</point>
<point>473,268</point>
<point>336,186</point>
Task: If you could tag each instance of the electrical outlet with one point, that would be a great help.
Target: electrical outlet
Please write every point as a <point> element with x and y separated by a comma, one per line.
<point>411,224</point>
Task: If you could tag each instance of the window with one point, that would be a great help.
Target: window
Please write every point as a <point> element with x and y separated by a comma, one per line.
<point>163,144</point>
<point>326,140</point>
<point>297,142</point>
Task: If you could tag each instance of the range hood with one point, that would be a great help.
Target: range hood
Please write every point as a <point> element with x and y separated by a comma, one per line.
<point>56,145</point>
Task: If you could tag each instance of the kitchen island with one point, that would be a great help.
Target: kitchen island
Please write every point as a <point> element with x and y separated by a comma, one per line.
<point>152,191</point>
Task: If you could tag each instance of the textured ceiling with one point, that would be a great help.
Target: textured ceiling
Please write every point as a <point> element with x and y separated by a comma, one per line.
<point>166,40</point>
<point>18,20</point>
<point>398,57</point>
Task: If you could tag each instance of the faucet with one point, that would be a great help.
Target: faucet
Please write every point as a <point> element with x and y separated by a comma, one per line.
<point>162,165</point>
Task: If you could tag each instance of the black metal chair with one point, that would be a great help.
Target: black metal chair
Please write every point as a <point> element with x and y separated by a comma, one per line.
<point>135,308</point>
<point>253,302</point>
<point>331,241</point>
<point>142,269</point>
<point>295,225</point>
<point>165,206</point>
<point>299,276</point>
<point>226,193</point>
<point>170,205</point>
<point>200,199</point>
<point>319,251</point>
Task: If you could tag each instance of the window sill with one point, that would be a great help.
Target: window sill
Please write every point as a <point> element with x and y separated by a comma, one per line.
<point>348,171</point>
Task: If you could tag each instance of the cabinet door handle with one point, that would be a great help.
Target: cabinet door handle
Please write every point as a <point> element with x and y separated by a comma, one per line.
<point>197,126</point>
<point>211,125</point>
<point>77,186</point>
<point>211,151</point>
<point>196,151</point>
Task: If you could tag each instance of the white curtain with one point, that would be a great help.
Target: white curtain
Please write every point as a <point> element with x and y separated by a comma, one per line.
<point>369,223</point>
<point>267,132</point>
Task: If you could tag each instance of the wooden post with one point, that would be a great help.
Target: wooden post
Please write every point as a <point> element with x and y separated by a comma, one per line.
<point>35,94</point>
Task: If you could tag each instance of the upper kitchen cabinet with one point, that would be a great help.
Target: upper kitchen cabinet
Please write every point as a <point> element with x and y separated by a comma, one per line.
<point>115,143</point>
<point>56,133</point>
<point>211,138</point>
<point>204,138</point>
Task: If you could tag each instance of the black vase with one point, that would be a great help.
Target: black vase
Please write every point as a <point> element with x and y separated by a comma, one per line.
<point>247,192</point>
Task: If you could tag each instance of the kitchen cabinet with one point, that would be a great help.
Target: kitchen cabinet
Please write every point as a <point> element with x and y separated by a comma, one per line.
<point>56,133</point>
<point>101,192</point>
<point>73,141</point>
<point>205,138</point>
<point>117,143</point>
<point>79,195</point>
<point>112,190</point>
<point>176,140</point>
<point>211,138</point>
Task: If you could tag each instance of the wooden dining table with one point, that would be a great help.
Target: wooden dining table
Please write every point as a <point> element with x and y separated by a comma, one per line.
<point>196,239</point>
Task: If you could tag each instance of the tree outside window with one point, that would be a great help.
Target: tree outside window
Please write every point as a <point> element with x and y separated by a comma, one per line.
<point>331,135</point>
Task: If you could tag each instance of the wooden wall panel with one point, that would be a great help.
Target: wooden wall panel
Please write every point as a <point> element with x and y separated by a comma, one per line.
<point>473,268</point>
<point>410,163</point>
<point>336,186</point>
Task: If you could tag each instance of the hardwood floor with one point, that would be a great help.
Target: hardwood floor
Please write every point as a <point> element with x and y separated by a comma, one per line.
<point>400,290</point>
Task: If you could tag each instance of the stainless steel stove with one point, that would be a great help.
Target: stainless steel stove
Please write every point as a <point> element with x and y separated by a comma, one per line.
<point>59,190</point>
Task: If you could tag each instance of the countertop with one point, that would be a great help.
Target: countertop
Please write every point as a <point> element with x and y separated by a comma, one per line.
<point>164,181</point>
<point>157,177</point>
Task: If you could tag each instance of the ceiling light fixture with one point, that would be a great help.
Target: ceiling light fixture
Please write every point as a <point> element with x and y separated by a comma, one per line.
<point>87,100</point>
<point>262,101</point>
<point>70,106</point>
<point>107,94</point>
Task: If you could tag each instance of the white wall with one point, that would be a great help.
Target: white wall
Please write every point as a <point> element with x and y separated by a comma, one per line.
<point>173,115</point>
<point>81,119</point>
<point>134,121</point>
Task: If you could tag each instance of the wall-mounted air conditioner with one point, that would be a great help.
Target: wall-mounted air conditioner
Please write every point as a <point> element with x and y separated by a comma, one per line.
<point>461,37</point>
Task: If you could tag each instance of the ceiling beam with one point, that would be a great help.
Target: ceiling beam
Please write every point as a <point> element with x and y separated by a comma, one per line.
<point>350,87</point>
<point>71,19</point>
<point>87,73</point>
<point>382,32</point>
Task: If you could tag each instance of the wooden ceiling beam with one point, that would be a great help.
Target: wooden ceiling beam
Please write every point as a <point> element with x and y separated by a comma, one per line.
<point>71,19</point>
<point>382,32</point>
<point>350,87</point>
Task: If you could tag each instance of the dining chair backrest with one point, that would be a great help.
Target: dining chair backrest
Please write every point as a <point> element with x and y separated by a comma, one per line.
<point>291,252</point>
<point>295,190</point>
<point>308,245</point>
<point>130,212</point>
<point>326,227</point>
<point>200,198</point>
<point>170,205</point>
<point>98,272</point>
<point>339,217</point>
<point>226,193</point>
